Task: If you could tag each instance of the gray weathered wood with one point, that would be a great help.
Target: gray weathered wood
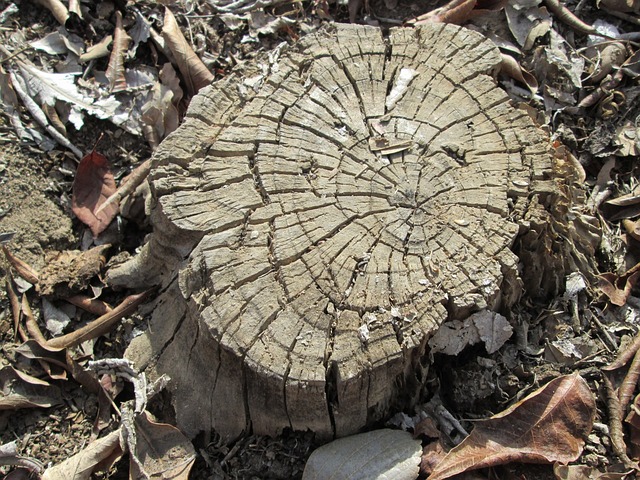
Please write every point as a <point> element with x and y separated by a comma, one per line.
<point>311,235</point>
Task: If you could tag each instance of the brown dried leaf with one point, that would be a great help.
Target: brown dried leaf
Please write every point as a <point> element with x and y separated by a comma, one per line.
<point>511,68</point>
<point>98,455</point>
<point>19,390</point>
<point>632,228</point>
<point>22,268</point>
<point>92,185</point>
<point>115,70</point>
<point>160,450</point>
<point>618,287</point>
<point>584,472</point>
<point>633,422</point>
<point>547,426</point>
<point>195,73</point>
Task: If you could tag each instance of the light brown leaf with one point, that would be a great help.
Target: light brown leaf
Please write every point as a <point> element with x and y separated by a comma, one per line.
<point>195,73</point>
<point>92,185</point>
<point>97,456</point>
<point>115,70</point>
<point>547,426</point>
<point>511,68</point>
<point>160,451</point>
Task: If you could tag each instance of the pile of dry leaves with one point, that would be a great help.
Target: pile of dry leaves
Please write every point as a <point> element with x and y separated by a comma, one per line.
<point>562,368</point>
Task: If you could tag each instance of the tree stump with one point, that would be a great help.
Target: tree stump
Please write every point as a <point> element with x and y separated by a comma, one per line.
<point>315,224</point>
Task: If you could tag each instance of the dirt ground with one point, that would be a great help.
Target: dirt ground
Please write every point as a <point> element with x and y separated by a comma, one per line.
<point>36,222</point>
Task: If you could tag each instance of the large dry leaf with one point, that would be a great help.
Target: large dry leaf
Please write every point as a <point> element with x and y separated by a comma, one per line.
<point>19,390</point>
<point>195,73</point>
<point>115,70</point>
<point>547,426</point>
<point>96,456</point>
<point>379,454</point>
<point>92,185</point>
<point>159,451</point>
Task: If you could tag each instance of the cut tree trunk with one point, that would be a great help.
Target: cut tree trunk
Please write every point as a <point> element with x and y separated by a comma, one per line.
<point>315,224</point>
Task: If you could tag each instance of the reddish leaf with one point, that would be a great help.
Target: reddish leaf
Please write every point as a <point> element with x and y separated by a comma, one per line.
<point>547,426</point>
<point>93,184</point>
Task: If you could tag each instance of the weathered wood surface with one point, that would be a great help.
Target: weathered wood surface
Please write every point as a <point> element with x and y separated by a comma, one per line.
<point>311,234</point>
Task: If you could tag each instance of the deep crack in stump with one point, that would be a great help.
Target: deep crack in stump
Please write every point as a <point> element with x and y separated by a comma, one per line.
<point>313,232</point>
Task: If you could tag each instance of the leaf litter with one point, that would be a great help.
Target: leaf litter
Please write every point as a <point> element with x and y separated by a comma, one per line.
<point>138,68</point>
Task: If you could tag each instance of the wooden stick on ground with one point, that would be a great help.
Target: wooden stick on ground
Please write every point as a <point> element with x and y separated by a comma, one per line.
<point>100,325</point>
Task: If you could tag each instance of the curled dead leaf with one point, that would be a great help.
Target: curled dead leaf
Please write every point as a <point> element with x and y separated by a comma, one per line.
<point>618,287</point>
<point>20,390</point>
<point>195,73</point>
<point>115,70</point>
<point>511,68</point>
<point>157,450</point>
<point>548,426</point>
<point>97,456</point>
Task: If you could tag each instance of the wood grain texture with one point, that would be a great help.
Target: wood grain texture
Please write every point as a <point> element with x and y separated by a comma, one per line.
<point>320,234</point>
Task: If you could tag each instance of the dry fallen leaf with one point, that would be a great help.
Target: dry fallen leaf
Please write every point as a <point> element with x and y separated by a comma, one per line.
<point>547,426</point>
<point>382,453</point>
<point>97,456</point>
<point>115,70</point>
<point>584,472</point>
<point>19,390</point>
<point>195,73</point>
<point>618,287</point>
<point>92,185</point>
<point>160,450</point>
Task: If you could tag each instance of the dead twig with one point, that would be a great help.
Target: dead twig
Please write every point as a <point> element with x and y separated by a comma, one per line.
<point>100,325</point>
<point>136,177</point>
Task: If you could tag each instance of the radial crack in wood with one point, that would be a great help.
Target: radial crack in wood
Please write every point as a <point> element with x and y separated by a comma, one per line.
<point>325,221</point>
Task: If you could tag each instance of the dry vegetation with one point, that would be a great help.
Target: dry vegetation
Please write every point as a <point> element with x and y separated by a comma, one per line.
<point>89,90</point>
